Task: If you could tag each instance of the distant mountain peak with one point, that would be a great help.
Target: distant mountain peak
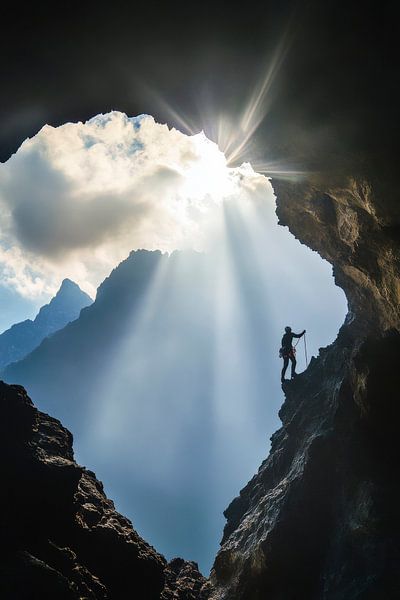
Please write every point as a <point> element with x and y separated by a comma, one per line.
<point>70,299</point>
<point>67,285</point>
<point>68,292</point>
<point>22,338</point>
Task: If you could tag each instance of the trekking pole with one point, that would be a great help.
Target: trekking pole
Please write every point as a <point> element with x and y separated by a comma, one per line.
<point>305,350</point>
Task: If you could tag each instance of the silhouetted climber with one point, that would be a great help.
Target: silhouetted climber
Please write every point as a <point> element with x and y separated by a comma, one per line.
<point>287,352</point>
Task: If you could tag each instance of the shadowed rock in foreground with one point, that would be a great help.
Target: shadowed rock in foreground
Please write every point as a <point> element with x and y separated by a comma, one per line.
<point>61,537</point>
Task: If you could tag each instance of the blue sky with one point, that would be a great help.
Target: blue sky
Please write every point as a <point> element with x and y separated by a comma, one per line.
<point>15,308</point>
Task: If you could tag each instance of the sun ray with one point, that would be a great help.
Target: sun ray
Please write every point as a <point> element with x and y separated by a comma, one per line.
<point>279,170</point>
<point>233,133</point>
<point>257,106</point>
<point>176,116</point>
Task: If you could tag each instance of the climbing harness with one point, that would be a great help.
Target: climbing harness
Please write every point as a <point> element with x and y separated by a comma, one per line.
<point>292,351</point>
<point>284,352</point>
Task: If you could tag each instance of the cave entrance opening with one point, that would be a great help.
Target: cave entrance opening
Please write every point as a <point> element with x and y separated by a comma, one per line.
<point>175,367</point>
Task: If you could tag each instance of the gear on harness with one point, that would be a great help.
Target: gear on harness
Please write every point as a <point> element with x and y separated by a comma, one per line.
<point>283,352</point>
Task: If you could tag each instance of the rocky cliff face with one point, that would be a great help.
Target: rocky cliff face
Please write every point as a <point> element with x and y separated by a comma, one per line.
<point>320,518</point>
<point>61,537</point>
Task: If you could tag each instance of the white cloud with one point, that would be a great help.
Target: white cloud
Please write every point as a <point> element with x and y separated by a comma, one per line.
<point>76,199</point>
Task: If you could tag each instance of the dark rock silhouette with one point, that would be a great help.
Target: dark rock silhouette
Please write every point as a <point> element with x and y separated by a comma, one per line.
<point>319,520</point>
<point>18,341</point>
<point>61,537</point>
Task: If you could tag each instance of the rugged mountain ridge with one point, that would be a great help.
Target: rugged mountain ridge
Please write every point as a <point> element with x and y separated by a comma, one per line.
<point>20,339</point>
<point>61,537</point>
<point>319,518</point>
<point>66,355</point>
<point>85,347</point>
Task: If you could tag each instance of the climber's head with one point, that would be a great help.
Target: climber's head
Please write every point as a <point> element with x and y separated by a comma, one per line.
<point>288,329</point>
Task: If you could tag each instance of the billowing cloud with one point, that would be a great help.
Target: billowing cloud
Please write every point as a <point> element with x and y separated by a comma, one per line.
<point>76,199</point>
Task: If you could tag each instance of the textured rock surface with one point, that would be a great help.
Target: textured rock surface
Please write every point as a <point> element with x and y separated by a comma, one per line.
<point>320,518</point>
<point>61,537</point>
<point>184,582</point>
